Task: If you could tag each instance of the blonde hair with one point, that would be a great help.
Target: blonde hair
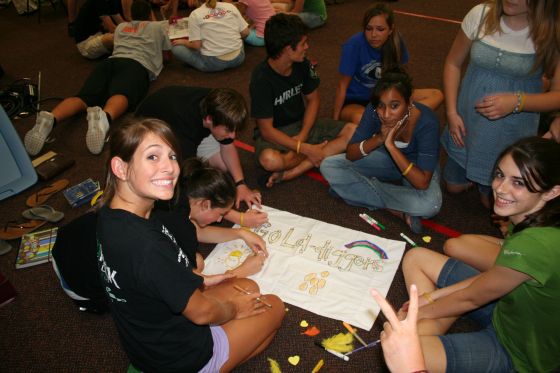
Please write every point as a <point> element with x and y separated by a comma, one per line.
<point>211,4</point>
<point>543,17</point>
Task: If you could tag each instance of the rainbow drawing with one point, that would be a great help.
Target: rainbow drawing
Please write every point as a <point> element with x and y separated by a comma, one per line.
<point>368,245</point>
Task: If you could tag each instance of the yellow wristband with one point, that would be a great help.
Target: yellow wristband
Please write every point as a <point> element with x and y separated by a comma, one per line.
<point>298,146</point>
<point>522,104</point>
<point>241,216</point>
<point>408,169</point>
<point>428,297</point>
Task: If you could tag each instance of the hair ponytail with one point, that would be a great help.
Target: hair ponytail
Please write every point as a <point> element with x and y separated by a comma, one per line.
<point>211,4</point>
<point>200,180</point>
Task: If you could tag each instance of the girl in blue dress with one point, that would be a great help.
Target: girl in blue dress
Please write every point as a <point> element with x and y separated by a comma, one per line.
<point>511,45</point>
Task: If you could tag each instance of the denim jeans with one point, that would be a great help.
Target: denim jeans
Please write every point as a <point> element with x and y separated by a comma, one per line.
<point>365,183</point>
<point>479,351</point>
<point>253,39</point>
<point>205,63</point>
<point>311,20</point>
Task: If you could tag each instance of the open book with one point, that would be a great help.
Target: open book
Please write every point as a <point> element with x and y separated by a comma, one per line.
<point>179,28</point>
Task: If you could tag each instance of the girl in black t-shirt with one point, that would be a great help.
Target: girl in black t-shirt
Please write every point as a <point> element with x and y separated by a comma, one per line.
<point>156,298</point>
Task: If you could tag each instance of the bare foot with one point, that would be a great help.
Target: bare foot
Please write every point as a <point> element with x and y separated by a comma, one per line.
<point>275,178</point>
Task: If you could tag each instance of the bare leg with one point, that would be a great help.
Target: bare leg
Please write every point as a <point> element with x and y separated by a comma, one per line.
<point>335,146</point>
<point>352,113</point>
<point>434,354</point>
<point>248,337</point>
<point>68,107</point>
<point>476,250</point>
<point>107,40</point>
<point>71,8</point>
<point>430,97</point>
<point>116,106</point>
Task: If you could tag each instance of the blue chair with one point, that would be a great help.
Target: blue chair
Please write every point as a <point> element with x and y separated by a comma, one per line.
<point>16,171</point>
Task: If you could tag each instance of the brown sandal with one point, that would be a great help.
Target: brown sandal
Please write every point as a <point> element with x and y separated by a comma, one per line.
<point>44,194</point>
<point>13,230</point>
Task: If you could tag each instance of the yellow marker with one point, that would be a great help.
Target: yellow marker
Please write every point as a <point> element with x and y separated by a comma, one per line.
<point>318,366</point>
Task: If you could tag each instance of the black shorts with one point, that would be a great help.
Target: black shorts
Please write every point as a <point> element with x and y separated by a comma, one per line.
<point>116,76</point>
<point>363,103</point>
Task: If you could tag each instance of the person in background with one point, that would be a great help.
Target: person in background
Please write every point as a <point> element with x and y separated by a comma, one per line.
<point>216,33</point>
<point>364,58</point>
<point>118,83</point>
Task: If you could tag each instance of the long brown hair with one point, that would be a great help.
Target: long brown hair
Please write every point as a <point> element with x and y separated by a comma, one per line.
<point>392,48</point>
<point>543,16</point>
<point>123,144</point>
<point>537,160</point>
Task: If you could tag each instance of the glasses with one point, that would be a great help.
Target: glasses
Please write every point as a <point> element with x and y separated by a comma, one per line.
<point>225,141</point>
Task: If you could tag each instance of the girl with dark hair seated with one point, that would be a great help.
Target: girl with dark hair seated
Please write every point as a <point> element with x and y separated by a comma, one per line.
<point>514,288</point>
<point>391,161</point>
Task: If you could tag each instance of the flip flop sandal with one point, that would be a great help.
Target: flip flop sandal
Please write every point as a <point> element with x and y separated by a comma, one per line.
<point>44,194</point>
<point>13,230</point>
<point>43,212</point>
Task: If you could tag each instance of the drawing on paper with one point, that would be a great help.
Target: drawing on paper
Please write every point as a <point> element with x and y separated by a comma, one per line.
<point>313,282</point>
<point>234,255</point>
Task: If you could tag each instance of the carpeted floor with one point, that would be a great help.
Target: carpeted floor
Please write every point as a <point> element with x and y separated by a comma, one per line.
<point>42,331</point>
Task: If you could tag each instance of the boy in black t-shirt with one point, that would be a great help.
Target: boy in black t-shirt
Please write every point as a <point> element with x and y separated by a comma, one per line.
<point>205,122</point>
<point>289,139</point>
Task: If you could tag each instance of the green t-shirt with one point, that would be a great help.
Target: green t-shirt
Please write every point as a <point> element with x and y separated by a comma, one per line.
<point>317,7</point>
<point>526,320</point>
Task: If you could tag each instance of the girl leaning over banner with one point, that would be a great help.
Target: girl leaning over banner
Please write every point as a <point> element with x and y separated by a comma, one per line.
<point>167,316</point>
<point>515,289</point>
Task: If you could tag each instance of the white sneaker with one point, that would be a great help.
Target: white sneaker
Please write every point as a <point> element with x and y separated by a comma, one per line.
<point>35,139</point>
<point>98,126</point>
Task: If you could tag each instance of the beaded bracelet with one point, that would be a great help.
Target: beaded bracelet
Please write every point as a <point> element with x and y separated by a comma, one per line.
<point>520,102</point>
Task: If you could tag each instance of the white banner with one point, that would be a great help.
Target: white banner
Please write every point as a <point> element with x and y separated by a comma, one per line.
<point>320,267</point>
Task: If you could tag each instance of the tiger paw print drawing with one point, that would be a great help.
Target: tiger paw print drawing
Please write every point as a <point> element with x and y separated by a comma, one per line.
<point>312,283</point>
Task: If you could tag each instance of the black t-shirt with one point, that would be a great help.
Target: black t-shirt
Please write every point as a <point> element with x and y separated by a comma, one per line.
<point>75,252</point>
<point>88,21</point>
<point>149,281</point>
<point>281,97</point>
<point>179,106</point>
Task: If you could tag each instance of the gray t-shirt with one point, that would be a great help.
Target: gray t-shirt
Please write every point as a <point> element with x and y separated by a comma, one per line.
<point>142,41</point>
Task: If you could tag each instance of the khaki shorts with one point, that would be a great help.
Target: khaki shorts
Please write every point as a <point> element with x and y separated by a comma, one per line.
<point>323,130</point>
<point>92,47</point>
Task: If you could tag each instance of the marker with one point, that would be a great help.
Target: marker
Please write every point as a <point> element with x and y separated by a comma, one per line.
<point>372,344</point>
<point>335,353</point>
<point>318,366</point>
<point>368,219</point>
<point>376,222</point>
<point>259,299</point>
<point>412,243</point>
<point>354,333</point>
